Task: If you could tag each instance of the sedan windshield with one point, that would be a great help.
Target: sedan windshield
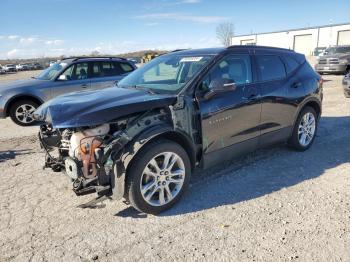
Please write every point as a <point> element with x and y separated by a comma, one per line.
<point>337,50</point>
<point>51,72</point>
<point>166,74</point>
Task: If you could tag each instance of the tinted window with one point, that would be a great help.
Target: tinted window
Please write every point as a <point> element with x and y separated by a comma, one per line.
<point>291,63</point>
<point>80,71</point>
<point>126,67</point>
<point>76,71</point>
<point>105,69</point>
<point>234,67</point>
<point>270,67</point>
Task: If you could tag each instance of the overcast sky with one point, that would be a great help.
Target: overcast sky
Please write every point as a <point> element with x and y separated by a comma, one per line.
<point>37,28</point>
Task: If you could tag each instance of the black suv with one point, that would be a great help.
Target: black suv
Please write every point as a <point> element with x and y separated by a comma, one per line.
<point>183,110</point>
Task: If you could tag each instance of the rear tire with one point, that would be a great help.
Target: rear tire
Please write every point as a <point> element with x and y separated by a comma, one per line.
<point>20,112</point>
<point>158,177</point>
<point>305,129</point>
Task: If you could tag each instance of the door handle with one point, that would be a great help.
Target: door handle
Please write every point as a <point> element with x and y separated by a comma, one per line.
<point>252,97</point>
<point>84,86</point>
<point>296,85</point>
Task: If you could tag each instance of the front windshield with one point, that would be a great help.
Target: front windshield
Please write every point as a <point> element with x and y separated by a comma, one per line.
<point>51,72</point>
<point>337,50</point>
<point>166,74</point>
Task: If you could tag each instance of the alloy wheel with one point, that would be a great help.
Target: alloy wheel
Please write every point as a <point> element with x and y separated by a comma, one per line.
<point>162,179</point>
<point>307,128</point>
<point>24,113</point>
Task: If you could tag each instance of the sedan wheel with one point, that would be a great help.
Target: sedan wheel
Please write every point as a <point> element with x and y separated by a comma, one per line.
<point>158,176</point>
<point>24,113</point>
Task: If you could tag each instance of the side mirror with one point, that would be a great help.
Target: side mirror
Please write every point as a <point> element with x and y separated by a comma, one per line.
<point>62,78</point>
<point>220,86</point>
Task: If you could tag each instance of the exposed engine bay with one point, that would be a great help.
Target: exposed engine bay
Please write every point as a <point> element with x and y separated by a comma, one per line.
<point>92,156</point>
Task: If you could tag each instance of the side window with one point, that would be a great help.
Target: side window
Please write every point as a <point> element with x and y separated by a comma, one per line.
<point>68,72</point>
<point>105,69</point>
<point>270,67</point>
<point>234,67</point>
<point>291,63</point>
<point>80,71</point>
<point>125,67</point>
<point>76,72</point>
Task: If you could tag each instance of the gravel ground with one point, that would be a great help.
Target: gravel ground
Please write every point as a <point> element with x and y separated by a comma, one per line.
<point>273,205</point>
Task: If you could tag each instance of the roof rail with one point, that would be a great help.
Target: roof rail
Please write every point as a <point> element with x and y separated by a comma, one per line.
<point>178,50</point>
<point>75,58</point>
<point>259,47</point>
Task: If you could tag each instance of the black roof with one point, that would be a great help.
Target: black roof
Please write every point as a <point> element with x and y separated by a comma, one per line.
<point>260,47</point>
<point>203,51</point>
<point>215,51</point>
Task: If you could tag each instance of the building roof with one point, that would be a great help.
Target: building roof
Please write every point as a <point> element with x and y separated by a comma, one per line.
<point>294,29</point>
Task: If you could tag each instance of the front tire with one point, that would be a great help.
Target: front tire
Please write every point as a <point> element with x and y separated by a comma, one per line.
<point>21,112</point>
<point>305,129</point>
<point>158,177</point>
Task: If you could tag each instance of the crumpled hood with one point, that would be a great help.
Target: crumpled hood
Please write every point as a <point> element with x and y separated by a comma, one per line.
<point>98,107</point>
<point>20,84</point>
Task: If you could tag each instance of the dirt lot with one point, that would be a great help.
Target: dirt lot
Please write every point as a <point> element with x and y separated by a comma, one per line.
<point>273,205</point>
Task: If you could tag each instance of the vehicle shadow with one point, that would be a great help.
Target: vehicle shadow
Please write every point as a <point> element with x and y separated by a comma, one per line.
<point>265,171</point>
<point>11,154</point>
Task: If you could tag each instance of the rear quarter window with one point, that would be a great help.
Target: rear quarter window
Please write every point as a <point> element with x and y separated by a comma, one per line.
<point>291,63</point>
<point>106,69</point>
<point>126,67</point>
<point>270,67</point>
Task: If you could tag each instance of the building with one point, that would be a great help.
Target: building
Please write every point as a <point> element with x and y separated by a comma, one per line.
<point>302,40</point>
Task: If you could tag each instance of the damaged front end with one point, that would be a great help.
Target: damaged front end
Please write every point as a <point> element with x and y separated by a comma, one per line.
<point>95,157</point>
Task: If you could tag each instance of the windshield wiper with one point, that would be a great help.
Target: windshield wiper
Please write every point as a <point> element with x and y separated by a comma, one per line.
<point>139,87</point>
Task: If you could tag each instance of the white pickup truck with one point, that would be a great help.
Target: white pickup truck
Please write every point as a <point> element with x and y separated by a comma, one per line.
<point>10,68</point>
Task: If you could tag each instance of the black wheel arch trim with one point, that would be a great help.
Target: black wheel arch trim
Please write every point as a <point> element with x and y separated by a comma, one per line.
<point>158,132</point>
<point>125,157</point>
<point>303,104</point>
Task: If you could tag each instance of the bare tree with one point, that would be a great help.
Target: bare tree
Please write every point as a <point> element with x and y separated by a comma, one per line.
<point>225,32</point>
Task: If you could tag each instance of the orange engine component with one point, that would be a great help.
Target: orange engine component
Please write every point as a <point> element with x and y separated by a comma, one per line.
<point>87,149</point>
<point>83,145</point>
